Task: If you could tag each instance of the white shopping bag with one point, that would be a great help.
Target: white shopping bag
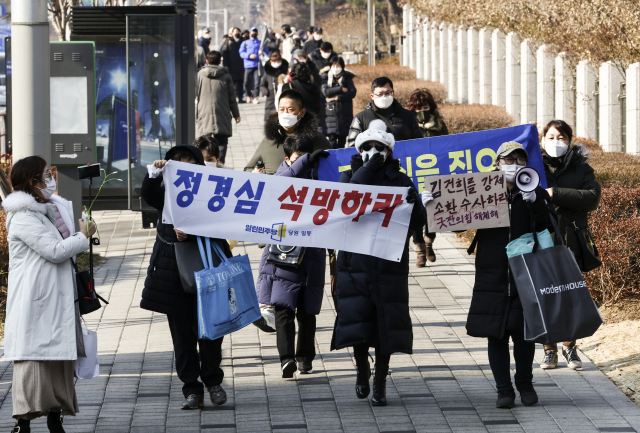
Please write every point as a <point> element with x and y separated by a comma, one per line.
<point>89,367</point>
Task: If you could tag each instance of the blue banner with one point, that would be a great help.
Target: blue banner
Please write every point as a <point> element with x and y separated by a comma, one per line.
<point>472,152</point>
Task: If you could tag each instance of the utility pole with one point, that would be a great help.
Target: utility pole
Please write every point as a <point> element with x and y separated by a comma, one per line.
<point>313,12</point>
<point>225,13</point>
<point>371,32</point>
<point>208,14</point>
<point>273,15</point>
<point>30,79</point>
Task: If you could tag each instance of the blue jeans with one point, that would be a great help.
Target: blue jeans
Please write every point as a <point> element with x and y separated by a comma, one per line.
<point>252,82</point>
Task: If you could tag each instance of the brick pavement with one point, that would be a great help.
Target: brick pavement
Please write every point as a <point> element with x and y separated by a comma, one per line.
<point>445,386</point>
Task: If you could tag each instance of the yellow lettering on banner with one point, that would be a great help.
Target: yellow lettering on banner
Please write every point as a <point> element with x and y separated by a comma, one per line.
<point>485,152</point>
<point>469,165</point>
<point>409,171</point>
<point>425,162</point>
<point>458,163</point>
<point>344,168</point>
<point>421,183</point>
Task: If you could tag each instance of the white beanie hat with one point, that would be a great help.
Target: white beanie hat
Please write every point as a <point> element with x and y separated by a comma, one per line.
<point>377,132</point>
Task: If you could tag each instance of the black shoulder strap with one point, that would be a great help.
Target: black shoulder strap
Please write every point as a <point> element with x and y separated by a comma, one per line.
<point>393,129</point>
<point>474,242</point>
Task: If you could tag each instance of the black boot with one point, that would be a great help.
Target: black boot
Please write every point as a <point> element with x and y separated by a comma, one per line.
<point>22,426</point>
<point>528,395</point>
<point>379,397</point>
<point>362,379</point>
<point>54,422</point>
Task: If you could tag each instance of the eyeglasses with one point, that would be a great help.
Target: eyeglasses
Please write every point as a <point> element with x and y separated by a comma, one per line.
<point>368,146</point>
<point>389,93</point>
<point>44,176</point>
<point>510,161</point>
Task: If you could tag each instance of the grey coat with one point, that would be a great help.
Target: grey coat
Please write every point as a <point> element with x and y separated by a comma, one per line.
<point>217,103</point>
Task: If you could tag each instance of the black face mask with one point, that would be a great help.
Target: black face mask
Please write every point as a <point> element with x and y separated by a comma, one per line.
<point>246,37</point>
<point>236,36</point>
<point>254,35</point>
<point>423,116</point>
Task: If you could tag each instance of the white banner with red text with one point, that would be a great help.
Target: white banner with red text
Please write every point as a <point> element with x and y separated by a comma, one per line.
<point>252,207</point>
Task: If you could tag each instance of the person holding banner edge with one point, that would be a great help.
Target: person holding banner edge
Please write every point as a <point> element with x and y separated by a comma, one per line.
<point>496,312</point>
<point>296,292</point>
<point>574,193</point>
<point>163,293</point>
<point>372,293</point>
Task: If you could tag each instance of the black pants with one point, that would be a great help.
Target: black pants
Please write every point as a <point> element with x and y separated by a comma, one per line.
<point>337,141</point>
<point>239,85</point>
<point>223,141</point>
<point>500,361</point>
<point>286,332</point>
<point>191,365</point>
<point>361,353</point>
<point>252,82</point>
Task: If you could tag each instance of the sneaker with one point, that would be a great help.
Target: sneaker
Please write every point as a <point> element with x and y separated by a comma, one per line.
<point>255,101</point>
<point>288,368</point>
<point>305,368</point>
<point>506,399</point>
<point>571,355</point>
<point>528,395</point>
<point>193,402</point>
<point>248,99</point>
<point>550,360</point>
<point>218,395</point>
<point>263,325</point>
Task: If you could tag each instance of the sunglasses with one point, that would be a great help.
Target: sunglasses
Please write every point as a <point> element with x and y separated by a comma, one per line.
<point>368,146</point>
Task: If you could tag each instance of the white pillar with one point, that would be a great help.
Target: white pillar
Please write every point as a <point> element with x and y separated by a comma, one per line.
<point>435,52</point>
<point>498,88</point>
<point>484,43</point>
<point>528,92</point>
<point>565,95</point>
<point>586,108</point>
<point>610,116</point>
<point>633,109</point>
<point>444,56</point>
<point>545,94</point>
<point>463,66</point>
<point>452,81</point>
<point>405,39</point>
<point>474,66</point>
<point>410,40</point>
<point>426,44</point>
<point>419,51</point>
<point>31,78</point>
<point>512,76</point>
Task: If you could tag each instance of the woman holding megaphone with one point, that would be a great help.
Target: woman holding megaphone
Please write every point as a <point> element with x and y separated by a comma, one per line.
<point>574,192</point>
<point>496,311</point>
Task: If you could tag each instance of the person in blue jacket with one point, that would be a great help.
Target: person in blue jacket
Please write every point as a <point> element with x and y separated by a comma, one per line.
<point>250,53</point>
<point>295,292</point>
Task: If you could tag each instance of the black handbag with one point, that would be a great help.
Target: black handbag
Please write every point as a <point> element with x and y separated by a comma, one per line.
<point>189,262</point>
<point>88,300</point>
<point>590,255</point>
<point>284,255</point>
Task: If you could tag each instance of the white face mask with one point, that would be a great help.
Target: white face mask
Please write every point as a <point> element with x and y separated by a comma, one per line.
<point>210,164</point>
<point>336,71</point>
<point>366,156</point>
<point>317,37</point>
<point>510,171</point>
<point>556,148</point>
<point>325,55</point>
<point>287,120</point>
<point>276,65</point>
<point>383,101</point>
<point>49,189</point>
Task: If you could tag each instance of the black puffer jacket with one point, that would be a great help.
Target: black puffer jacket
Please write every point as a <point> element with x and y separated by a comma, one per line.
<point>339,114</point>
<point>403,120</point>
<point>231,59</point>
<point>321,63</point>
<point>373,293</point>
<point>269,85</point>
<point>575,194</point>
<point>163,292</point>
<point>495,305</point>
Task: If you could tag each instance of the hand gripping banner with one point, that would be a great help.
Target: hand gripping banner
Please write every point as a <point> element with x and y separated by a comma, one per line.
<point>251,207</point>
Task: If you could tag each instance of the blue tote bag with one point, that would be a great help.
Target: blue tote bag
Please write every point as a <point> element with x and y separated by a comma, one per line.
<point>227,299</point>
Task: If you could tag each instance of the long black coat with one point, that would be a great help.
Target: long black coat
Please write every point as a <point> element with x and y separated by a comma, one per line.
<point>231,59</point>
<point>163,292</point>
<point>403,120</point>
<point>269,85</point>
<point>338,114</point>
<point>373,293</point>
<point>495,304</point>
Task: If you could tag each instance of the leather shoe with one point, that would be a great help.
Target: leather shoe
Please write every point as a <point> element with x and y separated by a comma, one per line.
<point>218,395</point>
<point>288,368</point>
<point>193,402</point>
<point>379,397</point>
<point>362,380</point>
<point>506,399</point>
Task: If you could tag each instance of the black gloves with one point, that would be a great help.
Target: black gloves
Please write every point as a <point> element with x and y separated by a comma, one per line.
<point>316,155</point>
<point>413,196</point>
<point>375,162</point>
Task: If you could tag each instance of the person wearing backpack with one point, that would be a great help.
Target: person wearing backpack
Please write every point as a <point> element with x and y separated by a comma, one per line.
<point>574,193</point>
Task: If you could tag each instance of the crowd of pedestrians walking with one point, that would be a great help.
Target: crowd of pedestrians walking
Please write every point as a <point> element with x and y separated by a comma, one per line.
<point>308,94</point>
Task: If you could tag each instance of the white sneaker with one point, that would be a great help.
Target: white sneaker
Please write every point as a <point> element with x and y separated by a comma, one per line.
<point>571,355</point>
<point>255,101</point>
<point>550,360</point>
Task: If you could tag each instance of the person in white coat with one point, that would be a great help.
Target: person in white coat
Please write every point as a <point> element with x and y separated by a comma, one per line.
<point>42,329</point>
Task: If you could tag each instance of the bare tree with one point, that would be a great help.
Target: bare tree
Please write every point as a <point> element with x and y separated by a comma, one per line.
<point>59,14</point>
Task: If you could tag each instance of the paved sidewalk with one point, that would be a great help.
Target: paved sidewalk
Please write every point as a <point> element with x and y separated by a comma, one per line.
<point>445,386</point>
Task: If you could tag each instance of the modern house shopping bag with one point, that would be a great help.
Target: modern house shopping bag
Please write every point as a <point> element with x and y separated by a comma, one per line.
<point>227,299</point>
<point>89,367</point>
<point>556,301</point>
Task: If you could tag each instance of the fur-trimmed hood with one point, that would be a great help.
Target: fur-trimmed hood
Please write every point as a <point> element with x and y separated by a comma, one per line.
<point>273,131</point>
<point>579,154</point>
<point>19,201</point>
